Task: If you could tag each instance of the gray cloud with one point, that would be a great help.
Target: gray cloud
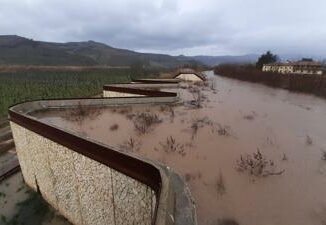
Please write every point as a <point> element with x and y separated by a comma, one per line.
<point>188,27</point>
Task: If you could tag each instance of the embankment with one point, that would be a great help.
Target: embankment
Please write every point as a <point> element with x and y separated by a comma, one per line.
<point>312,84</point>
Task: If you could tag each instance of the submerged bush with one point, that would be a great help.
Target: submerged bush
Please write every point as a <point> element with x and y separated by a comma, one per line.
<point>144,122</point>
<point>172,146</point>
<point>220,184</point>
<point>81,112</point>
<point>256,164</point>
<point>130,145</point>
<point>323,155</point>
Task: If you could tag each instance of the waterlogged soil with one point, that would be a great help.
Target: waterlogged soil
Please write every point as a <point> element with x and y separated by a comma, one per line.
<point>21,205</point>
<point>280,136</point>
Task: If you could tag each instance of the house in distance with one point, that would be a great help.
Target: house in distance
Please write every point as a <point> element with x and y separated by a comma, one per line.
<point>187,74</point>
<point>304,66</point>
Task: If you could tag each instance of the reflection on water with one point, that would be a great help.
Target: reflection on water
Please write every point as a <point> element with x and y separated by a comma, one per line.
<point>205,145</point>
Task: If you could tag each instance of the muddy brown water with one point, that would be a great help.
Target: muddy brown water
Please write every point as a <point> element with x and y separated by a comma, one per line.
<point>204,144</point>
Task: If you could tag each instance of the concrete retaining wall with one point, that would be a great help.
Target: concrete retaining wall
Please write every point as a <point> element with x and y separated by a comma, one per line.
<point>90,183</point>
<point>114,94</point>
<point>188,77</point>
<point>83,190</point>
<point>138,89</point>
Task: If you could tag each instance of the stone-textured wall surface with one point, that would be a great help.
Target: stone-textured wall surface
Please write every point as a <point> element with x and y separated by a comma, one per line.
<point>83,190</point>
<point>114,94</point>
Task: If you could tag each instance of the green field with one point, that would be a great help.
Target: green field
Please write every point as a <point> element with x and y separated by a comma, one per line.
<point>23,86</point>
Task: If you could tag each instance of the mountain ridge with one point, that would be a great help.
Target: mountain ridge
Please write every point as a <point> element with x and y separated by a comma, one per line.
<point>16,50</point>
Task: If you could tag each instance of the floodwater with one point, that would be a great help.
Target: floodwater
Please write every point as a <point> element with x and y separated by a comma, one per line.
<point>285,184</point>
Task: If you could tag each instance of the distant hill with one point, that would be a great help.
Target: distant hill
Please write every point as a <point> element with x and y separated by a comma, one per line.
<point>16,50</point>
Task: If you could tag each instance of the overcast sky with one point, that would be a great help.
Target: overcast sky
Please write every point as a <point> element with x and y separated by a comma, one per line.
<point>189,27</point>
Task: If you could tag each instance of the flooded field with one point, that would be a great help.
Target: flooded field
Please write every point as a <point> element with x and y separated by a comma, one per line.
<point>249,153</point>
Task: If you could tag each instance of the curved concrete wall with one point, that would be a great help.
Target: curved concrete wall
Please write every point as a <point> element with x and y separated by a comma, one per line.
<point>90,183</point>
<point>83,190</point>
<point>188,77</point>
<point>138,89</point>
<point>114,94</point>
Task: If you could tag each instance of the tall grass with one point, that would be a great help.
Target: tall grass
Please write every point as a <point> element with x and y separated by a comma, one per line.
<point>308,83</point>
<point>23,86</point>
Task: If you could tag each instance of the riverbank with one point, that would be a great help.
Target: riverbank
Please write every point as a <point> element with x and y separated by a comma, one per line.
<point>312,84</point>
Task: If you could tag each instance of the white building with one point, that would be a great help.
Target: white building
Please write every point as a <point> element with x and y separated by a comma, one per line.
<point>299,67</point>
<point>189,75</point>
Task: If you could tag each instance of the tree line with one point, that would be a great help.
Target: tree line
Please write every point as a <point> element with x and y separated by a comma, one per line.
<point>307,83</point>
